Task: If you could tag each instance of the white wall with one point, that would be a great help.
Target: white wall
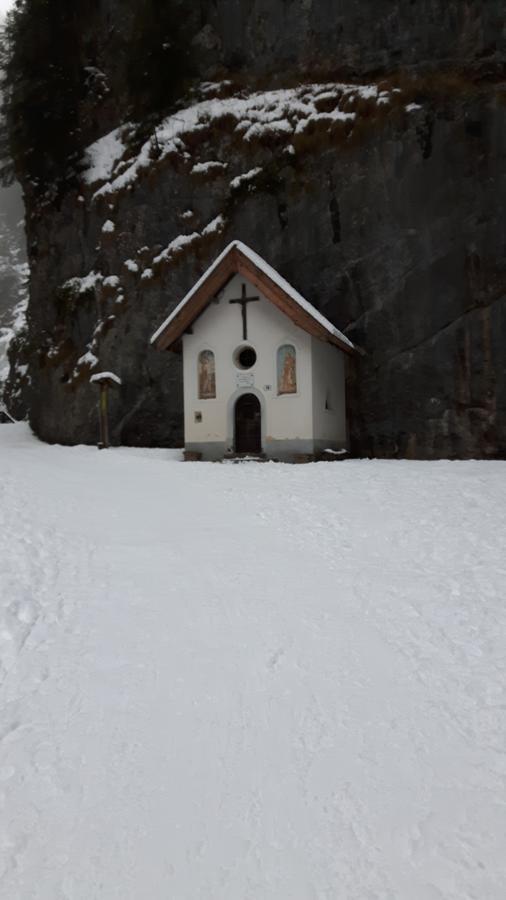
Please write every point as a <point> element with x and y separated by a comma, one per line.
<point>219,329</point>
<point>328,382</point>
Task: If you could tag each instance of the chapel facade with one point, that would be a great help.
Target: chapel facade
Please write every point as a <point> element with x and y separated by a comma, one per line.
<point>263,370</point>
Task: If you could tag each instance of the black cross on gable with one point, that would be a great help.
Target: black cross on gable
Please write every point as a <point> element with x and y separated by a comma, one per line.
<point>243,301</point>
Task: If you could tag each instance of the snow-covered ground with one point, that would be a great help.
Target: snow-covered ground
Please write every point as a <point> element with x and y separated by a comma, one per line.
<point>250,682</point>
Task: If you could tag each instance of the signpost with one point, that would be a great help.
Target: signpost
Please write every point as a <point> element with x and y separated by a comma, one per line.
<point>105,380</point>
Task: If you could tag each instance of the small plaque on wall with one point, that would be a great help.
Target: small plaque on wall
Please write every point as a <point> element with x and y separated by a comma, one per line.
<point>245,379</point>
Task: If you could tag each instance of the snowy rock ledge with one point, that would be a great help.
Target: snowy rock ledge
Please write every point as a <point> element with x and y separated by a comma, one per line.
<point>279,115</point>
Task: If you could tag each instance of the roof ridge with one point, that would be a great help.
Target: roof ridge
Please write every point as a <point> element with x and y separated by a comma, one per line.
<point>278,284</point>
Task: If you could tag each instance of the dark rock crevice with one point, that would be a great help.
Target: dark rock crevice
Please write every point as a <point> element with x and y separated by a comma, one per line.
<point>453,323</point>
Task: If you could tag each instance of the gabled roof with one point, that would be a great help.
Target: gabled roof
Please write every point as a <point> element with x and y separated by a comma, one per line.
<point>238,258</point>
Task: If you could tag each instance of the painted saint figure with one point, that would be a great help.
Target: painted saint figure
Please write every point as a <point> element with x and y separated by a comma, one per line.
<point>287,370</point>
<point>207,375</point>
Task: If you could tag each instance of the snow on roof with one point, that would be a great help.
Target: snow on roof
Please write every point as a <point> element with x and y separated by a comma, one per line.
<point>274,276</point>
<point>105,376</point>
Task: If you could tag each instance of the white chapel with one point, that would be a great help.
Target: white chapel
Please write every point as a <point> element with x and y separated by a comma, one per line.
<point>263,370</point>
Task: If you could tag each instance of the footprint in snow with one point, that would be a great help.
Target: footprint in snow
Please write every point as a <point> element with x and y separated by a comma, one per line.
<point>276,658</point>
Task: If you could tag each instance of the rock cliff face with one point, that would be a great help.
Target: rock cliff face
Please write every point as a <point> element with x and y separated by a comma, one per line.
<point>358,146</point>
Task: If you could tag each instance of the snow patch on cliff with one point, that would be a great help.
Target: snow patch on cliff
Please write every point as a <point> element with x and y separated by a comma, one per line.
<point>102,157</point>
<point>279,113</point>
<point>14,274</point>
<point>88,359</point>
<point>85,283</point>
<point>16,325</point>
<point>183,241</point>
<point>206,168</point>
<point>245,178</point>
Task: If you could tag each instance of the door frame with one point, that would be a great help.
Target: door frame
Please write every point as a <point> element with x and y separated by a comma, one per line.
<point>231,416</point>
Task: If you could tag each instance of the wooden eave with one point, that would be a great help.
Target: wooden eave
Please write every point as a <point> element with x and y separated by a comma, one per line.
<point>235,262</point>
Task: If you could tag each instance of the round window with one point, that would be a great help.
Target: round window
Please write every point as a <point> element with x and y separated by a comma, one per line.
<point>245,357</point>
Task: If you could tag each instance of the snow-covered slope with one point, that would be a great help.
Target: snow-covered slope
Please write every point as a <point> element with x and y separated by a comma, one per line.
<point>250,681</point>
<point>13,274</point>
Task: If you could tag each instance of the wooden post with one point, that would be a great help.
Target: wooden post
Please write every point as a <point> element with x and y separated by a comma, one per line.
<point>104,380</point>
<point>104,418</point>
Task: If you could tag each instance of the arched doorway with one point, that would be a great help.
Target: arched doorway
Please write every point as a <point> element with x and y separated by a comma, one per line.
<point>248,424</point>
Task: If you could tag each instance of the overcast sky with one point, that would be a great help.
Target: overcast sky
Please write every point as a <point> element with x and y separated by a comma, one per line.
<point>5,4</point>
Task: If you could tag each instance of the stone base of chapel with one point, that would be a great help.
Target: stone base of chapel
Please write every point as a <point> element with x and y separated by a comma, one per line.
<point>291,451</point>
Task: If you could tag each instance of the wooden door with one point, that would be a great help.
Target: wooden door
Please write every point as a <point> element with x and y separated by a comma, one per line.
<point>248,424</point>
